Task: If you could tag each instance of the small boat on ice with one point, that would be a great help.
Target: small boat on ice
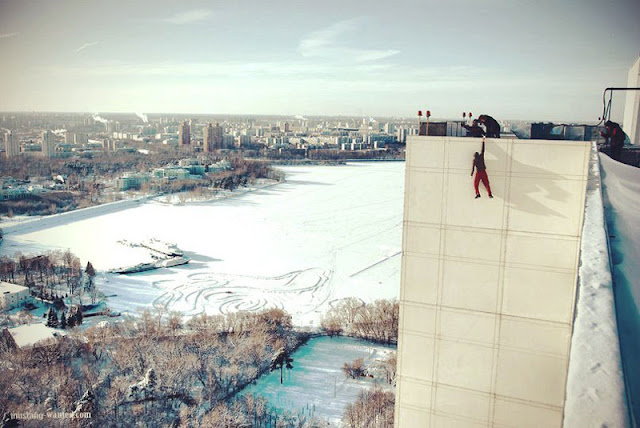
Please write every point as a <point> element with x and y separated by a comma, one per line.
<point>173,261</point>
<point>143,267</point>
<point>140,267</point>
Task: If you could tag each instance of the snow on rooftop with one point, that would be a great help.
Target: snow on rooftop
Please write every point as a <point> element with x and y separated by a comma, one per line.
<point>6,287</point>
<point>621,186</point>
<point>30,334</point>
<point>595,386</point>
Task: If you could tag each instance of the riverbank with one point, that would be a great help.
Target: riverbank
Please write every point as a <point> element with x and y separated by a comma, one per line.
<point>27,224</point>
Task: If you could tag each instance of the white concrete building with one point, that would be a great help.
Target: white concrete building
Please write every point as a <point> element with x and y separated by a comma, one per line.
<point>488,286</point>
<point>631,122</point>
<point>48,144</point>
<point>12,295</point>
<point>11,144</point>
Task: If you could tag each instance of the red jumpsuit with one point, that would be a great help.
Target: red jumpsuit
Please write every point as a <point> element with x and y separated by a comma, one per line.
<point>481,173</point>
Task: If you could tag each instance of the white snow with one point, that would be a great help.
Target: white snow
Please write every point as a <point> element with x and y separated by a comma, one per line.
<point>316,385</point>
<point>327,233</point>
<point>30,334</point>
<point>595,386</point>
<point>621,184</point>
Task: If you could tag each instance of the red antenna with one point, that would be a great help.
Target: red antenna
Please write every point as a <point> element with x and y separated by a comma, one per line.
<point>470,114</point>
<point>419,112</point>
<point>464,115</point>
<point>428,113</point>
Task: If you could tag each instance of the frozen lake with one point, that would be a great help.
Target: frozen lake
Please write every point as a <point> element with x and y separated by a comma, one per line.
<point>316,385</point>
<point>326,233</point>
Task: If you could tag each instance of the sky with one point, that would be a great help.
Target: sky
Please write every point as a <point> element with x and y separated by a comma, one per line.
<point>513,59</point>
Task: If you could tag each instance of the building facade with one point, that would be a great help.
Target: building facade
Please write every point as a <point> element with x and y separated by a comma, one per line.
<point>184,134</point>
<point>213,138</point>
<point>11,144</point>
<point>488,286</point>
<point>12,295</point>
<point>631,123</point>
<point>48,144</point>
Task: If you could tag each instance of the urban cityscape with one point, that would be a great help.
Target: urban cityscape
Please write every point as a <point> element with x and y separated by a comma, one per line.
<point>301,215</point>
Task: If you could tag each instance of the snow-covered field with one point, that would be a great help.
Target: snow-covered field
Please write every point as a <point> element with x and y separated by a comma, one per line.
<point>327,233</point>
<point>316,384</point>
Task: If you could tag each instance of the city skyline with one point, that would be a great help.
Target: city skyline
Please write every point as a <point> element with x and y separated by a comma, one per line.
<point>533,60</point>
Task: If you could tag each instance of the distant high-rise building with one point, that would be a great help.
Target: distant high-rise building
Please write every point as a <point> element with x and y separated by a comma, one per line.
<point>80,138</point>
<point>213,138</point>
<point>243,140</point>
<point>48,144</point>
<point>113,126</point>
<point>69,137</point>
<point>287,127</point>
<point>207,138</point>
<point>11,144</point>
<point>402,135</point>
<point>184,134</point>
<point>109,145</point>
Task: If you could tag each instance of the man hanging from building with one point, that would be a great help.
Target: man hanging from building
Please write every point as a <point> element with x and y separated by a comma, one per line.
<point>615,137</point>
<point>481,172</point>
<point>492,125</point>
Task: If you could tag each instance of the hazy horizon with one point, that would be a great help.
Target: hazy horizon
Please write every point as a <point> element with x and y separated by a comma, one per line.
<point>194,115</point>
<point>526,61</point>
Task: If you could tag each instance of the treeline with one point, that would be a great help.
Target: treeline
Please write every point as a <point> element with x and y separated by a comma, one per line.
<point>373,409</point>
<point>335,155</point>
<point>255,411</point>
<point>108,165</point>
<point>84,185</point>
<point>51,275</point>
<point>44,203</point>
<point>156,369</point>
<point>377,321</point>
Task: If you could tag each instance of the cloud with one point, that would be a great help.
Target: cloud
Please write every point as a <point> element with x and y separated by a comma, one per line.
<point>189,17</point>
<point>8,35</point>
<point>225,70</point>
<point>86,45</point>
<point>326,43</point>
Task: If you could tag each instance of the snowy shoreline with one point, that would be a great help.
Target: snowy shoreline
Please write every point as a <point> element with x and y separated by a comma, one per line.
<point>29,225</point>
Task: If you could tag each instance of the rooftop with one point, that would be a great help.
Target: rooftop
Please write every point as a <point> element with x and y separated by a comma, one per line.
<point>6,287</point>
<point>30,334</point>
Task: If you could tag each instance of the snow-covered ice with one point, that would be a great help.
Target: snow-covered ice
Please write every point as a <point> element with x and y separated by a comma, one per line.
<point>316,385</point>
<point>326,233</point>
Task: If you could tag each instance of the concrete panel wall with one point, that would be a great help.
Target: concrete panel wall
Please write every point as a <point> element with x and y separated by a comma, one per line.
<point>631,122</point>
<point>488,285</point>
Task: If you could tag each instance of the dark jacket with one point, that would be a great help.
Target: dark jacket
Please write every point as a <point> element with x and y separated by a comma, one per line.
<point>474,129</point>
<point>492,125</point>
<point>614,132</point>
